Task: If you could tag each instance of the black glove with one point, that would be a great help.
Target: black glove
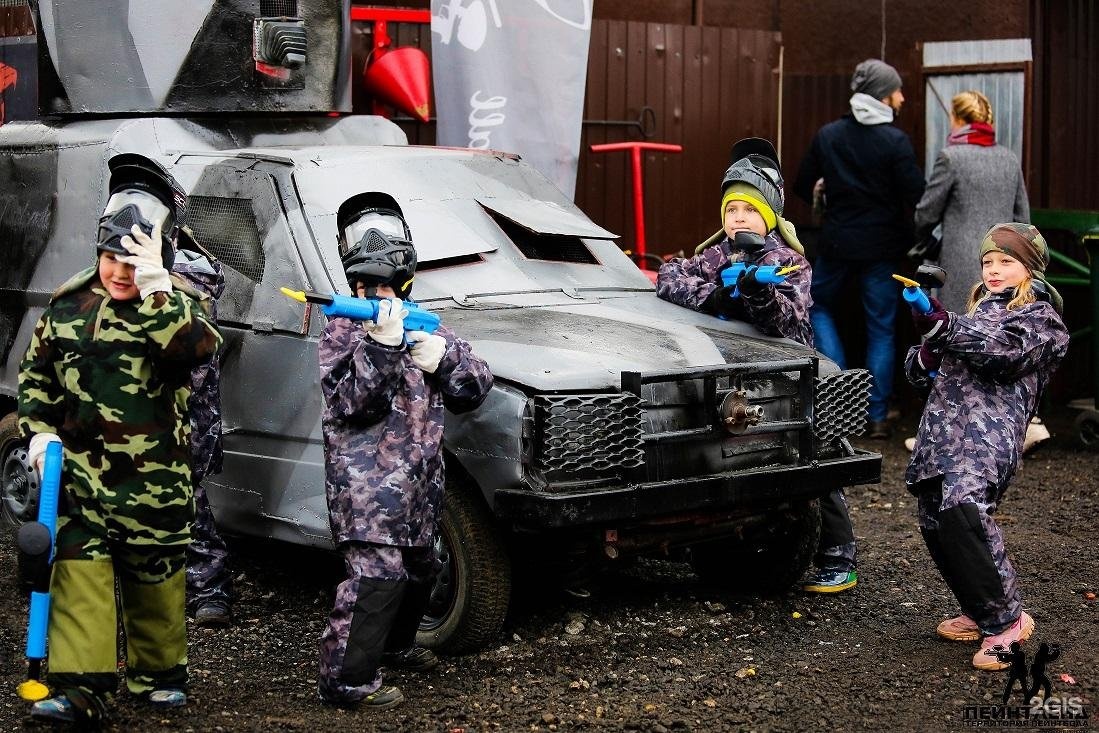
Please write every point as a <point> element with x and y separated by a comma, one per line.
<point>747,282</point>
<point>722,302</point>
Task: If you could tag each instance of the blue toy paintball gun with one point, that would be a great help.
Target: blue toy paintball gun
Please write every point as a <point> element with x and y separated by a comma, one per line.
<point>36,549</point>
<point>767,274</point>
<point>364,309</point>
<point>915,291</point>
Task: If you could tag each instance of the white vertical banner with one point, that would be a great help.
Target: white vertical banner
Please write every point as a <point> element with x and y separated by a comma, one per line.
<point>510,75</point>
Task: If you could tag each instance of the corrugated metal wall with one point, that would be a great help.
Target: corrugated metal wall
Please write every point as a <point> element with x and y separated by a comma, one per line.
<point>707,87</point>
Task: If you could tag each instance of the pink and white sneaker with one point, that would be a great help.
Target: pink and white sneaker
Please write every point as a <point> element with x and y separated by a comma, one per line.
<point>1019,631</point>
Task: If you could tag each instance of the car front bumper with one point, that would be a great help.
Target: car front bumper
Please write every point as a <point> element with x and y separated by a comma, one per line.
<point>748,491</point>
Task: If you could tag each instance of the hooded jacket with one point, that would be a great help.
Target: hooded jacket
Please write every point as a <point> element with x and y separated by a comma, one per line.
<point>871,184</point>
<point>776,310</point>
<point>995,366</point>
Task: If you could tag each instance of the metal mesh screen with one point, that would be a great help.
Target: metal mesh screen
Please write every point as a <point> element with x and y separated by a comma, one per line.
<point>278,8</point>
<point>588,436</point>
<point>227,227</point>
<point>841,405</point>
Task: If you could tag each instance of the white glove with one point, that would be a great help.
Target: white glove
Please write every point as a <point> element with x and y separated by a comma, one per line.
<point>427,350</point>
<point>388,329</point>
<point>36,452</point>
<point>147,260</point>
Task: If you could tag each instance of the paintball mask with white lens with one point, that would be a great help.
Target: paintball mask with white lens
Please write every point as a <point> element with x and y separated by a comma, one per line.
<point>376,249</point>
<point>134,206</point>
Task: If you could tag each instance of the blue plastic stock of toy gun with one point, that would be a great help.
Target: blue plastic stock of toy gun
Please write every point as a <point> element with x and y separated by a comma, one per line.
<point>36,549</point>
<point>766,274</point>
<point>364,309</point>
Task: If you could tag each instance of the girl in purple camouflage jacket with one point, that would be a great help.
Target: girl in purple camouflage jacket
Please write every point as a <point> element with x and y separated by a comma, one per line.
<point>992,365</point>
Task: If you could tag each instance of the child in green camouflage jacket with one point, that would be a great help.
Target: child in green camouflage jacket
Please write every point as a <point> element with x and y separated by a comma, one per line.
<point>107,374</point>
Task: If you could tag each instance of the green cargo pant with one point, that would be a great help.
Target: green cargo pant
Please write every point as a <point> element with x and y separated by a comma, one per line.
<point>83,626</point>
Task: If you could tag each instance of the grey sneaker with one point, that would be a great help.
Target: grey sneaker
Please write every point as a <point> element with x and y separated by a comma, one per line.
<point>213,614</point>
<point>167,698</point>
<point>385,697</point>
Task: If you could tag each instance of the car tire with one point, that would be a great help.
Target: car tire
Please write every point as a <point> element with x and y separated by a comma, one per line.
<point>770,559</point>
<point>18,485</point>
<point>473,587</point>
<point>1087,429</point>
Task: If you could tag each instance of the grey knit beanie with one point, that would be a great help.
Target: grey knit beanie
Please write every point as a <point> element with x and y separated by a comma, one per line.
<point>875,78</point>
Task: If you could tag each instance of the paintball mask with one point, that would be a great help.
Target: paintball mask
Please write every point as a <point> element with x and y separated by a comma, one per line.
<point>131,206</point>
<point>376,249</point>
<point>762,174</point>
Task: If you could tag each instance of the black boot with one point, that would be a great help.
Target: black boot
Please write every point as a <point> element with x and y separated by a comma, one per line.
<point>401,651</point>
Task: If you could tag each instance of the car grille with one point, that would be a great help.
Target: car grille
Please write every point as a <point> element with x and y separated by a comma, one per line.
<point>841,404</point>
<point>588,437</point>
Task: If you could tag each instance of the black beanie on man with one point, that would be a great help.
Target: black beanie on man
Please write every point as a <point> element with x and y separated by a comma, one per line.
<point>875,78</point>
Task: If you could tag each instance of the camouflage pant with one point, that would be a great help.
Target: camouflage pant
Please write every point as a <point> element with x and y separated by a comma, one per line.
<point>208,578</point>
<point>837,537</point>
<point>378,608</point>
<point>955,516</point>
<point>83,651</point>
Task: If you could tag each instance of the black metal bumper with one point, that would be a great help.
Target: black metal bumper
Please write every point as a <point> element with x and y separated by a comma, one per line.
<point>750,491</point>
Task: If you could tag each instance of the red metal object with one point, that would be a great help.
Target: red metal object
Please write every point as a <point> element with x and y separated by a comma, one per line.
<point>635,149</point>
<point>401,78</point>
<point>395,15</point>
<point>404,80</point>
<point>8,77</point>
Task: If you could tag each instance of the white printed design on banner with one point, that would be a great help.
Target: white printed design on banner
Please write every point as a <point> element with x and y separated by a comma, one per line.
<point>469,21</point>
<point>585,9</point>
<point>481,120</point>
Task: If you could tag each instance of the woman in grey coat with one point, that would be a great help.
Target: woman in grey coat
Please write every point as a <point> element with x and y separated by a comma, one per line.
<point>975,183</point>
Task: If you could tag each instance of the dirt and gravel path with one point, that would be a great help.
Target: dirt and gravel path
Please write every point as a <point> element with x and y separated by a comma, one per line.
<point>655,650</point>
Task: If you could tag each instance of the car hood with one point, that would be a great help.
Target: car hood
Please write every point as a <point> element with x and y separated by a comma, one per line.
<point>587,346</point>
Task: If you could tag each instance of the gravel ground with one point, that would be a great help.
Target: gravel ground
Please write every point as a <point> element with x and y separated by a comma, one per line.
<point>654,649</point>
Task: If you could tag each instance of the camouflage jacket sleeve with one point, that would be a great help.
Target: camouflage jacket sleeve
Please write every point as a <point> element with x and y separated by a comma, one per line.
<point>783,309</point>
<point>360,378</point>
<point>1004,345</point>
<point>179,331</point>
<point>916,374</point>
<point>41,399</point>
<point>690,281</point>
<point>463,377</point>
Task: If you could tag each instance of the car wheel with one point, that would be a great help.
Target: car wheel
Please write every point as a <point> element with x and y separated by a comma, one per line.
<point>770,559</point>
<point>18,481</point>
<point>473,585</point>
<point>1087,429</point>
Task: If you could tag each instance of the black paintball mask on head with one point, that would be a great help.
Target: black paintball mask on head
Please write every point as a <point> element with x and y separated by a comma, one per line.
<point>376,249</point>
<point>141,193</point>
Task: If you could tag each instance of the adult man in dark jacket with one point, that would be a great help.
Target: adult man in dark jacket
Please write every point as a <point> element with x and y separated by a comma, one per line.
<point>871,184</point>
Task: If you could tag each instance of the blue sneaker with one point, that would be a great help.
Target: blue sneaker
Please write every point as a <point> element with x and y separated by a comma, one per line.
<point>830,580</point>
<point>54,710</point>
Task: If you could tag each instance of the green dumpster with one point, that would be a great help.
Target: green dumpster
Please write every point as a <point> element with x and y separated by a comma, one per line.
<point>1084,225</point>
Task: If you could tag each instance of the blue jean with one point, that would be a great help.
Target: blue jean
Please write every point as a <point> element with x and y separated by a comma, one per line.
<point>880,295</point>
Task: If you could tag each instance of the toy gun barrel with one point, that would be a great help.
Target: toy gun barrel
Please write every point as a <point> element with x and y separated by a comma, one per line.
<point>364,309</point>
<point>766,274</point>
<point>913,294</point>
<point>36,542</point>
